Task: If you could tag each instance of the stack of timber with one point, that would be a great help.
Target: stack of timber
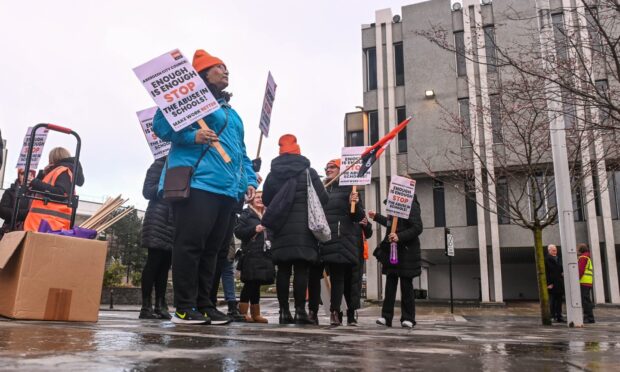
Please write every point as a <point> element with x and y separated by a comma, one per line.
<point>108,214</point>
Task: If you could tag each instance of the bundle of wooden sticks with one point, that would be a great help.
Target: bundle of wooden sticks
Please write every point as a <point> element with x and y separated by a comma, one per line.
<point>108,214</point>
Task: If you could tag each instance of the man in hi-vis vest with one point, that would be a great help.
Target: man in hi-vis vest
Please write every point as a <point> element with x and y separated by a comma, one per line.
<point>585,281</point>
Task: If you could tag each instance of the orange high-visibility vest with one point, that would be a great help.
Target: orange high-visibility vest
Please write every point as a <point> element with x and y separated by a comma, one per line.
<point>57,215</point>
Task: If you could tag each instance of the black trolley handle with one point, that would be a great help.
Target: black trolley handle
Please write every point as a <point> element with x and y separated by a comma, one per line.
<point>72,199</point>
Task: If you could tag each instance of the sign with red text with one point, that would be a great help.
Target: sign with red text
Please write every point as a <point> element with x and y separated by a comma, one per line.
<point>176,88</point>
<point>400,196</point>
<point>158,147</point>
<point>270,96</point>
<point>348,157</point>
<point>37,149</point>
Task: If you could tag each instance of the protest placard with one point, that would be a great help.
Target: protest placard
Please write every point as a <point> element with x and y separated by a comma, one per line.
<point>265,115</point>
<point>158,147</point>
<point>350,178</point>
<point>400,196</point>
<point>37,149</point>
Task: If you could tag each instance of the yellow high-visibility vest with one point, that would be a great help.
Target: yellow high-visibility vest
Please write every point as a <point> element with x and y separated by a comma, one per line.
<point>586,278</point>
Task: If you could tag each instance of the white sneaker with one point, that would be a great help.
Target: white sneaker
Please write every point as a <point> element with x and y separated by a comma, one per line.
<point>381,321</point>
<point>407,324</point>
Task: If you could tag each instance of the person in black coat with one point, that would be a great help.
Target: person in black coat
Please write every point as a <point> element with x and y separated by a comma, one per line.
<point>294,245</point>
<point>555,282</point>
<point>158,238</point>
<point>340,253</point>
<point>7,205</point>
<point>353,291</point>
<point>409,264</point>
<point>255,262</point>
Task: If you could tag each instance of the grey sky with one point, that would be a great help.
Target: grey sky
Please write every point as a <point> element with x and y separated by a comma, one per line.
<point>70,63</point>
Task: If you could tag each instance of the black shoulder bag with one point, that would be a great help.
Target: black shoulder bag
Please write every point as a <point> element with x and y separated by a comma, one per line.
<point>177,181</point>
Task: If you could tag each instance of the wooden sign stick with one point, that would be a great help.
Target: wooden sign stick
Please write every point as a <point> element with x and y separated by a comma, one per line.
<point>216,144</point>
<point>260,144</point>
<point>394,224</point>
<point>353,203</point>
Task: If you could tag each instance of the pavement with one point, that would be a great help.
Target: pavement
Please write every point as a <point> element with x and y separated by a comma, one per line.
<point>509,338</point>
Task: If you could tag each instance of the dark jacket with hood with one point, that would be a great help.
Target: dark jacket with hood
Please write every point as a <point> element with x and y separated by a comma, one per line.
<point>294,241</point>
<point>553,271</point>
<point>409,255</point>
<point>343,246</point>
<point>63,182</point>
<point>157,226</point>
<point>255,263</point>
<point>7,203</point>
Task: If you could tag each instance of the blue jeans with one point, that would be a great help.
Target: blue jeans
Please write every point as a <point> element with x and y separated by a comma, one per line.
<point>228,281</point>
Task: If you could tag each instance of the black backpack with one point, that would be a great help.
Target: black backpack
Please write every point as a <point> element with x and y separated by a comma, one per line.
<point>280,206</point>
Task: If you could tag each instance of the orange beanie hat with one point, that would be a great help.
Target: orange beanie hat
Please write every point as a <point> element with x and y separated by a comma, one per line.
<point>288,145</point>
<point>335,162</point>
<point>203,60</point>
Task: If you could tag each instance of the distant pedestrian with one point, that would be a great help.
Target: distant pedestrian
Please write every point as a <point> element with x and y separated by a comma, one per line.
<point>294,246</point>
<point>585,281</point>
<point>255,263</point>
<point>408,266</point>
<point>555,282</point>
<point>158,239</point>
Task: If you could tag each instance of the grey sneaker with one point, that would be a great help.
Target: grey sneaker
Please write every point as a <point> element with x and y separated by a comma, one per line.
<point>217,317</point>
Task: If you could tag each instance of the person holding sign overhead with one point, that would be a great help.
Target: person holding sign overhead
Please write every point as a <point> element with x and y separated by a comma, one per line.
<point>405,267</point>
<point>202,219</point>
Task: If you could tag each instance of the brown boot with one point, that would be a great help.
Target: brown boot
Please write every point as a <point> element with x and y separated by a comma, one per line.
<point>255,311</point>
<point>243,309</point>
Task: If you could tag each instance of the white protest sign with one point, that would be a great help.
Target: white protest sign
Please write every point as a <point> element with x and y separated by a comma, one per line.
<point>158,147</point>
<point>348,157</point>
<point>400,196</point>
<point>177,89</point>
<point>37,149</point>
<point>270,96</point>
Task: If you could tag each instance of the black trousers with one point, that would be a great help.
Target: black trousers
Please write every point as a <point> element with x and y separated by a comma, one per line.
<point>586,302</point>
<point>314,287</point>
<point>300,283</point>
<point>250,292</point>
<point>155,273</point>
<point>338,275</point>
<point>555,303</point>
<point>201,223</point>
<point>222,256</point>
<point>407,301</point>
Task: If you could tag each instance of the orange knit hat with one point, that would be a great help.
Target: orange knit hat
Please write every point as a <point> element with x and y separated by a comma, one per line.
<point>288,145</point>
<point>203,60</point>
<point>335,162</point>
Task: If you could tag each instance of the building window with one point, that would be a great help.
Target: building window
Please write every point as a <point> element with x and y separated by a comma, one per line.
<point>371,68</point>
<point>496,122</point>
<point>593,28</point>
<point>602,88</point>
<point>355,138</point>
<point>597,195</point>
<point>459,43</point>
<point>399,62</point>
<point>543,196</point>
<point>373,127</point>
<point>471,208</point>
<point>401,114</point>
<point>503,203</point>
<point>439,203</point>
<point>559,33</point>
<point>577,205</point>
<point>489,47</point>
<point>466,129</point>
<point>614,194</point>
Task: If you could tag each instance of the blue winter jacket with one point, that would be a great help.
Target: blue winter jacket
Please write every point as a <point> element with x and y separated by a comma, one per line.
<point>212,174</point>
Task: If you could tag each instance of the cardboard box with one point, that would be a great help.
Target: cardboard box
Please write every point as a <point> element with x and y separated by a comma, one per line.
<point>51,277</point>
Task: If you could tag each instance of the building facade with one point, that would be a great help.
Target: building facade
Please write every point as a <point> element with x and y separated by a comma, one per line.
<point>406,75</point>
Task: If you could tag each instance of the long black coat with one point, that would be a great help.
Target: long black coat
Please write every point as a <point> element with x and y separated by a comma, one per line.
<point>343,248</point>
<point>409,255</point>
<point>157,226</point>
<point>7,204</point>
<point>294,241</point>
<point>554,270</point>
<point>256,263</point>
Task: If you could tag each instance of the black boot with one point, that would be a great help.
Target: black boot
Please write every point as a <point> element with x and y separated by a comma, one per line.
<point>351,319</point>
<point>301,317</point>
<point>146,312</point>
<point>334,318</point>
<point>312,315</point>
<point>233,312</point>
<point>161,308</point>
<point>285,316</point>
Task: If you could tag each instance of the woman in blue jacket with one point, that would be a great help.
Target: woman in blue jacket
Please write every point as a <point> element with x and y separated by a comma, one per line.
<point>201,221</point>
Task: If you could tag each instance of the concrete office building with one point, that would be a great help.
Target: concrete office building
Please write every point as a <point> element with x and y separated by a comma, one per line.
<point>494,258</point>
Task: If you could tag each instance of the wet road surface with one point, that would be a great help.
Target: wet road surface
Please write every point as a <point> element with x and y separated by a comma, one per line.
<point>505,339</point>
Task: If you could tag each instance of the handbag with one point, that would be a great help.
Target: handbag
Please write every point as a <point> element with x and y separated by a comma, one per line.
<point>317,222</point>
<point>177,182</point>
<point>277,212</point>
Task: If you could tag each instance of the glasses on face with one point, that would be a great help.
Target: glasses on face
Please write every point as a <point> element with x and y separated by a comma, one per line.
<point>330,167</point>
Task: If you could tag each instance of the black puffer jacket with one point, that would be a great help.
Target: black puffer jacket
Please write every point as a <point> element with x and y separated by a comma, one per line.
<point>63,182</point>
<point>157,226</point>
<point>7,203</point>
<point>255,261</point>
<point>343,247</point>
<point>294,241</point>
<point>409,255</point>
